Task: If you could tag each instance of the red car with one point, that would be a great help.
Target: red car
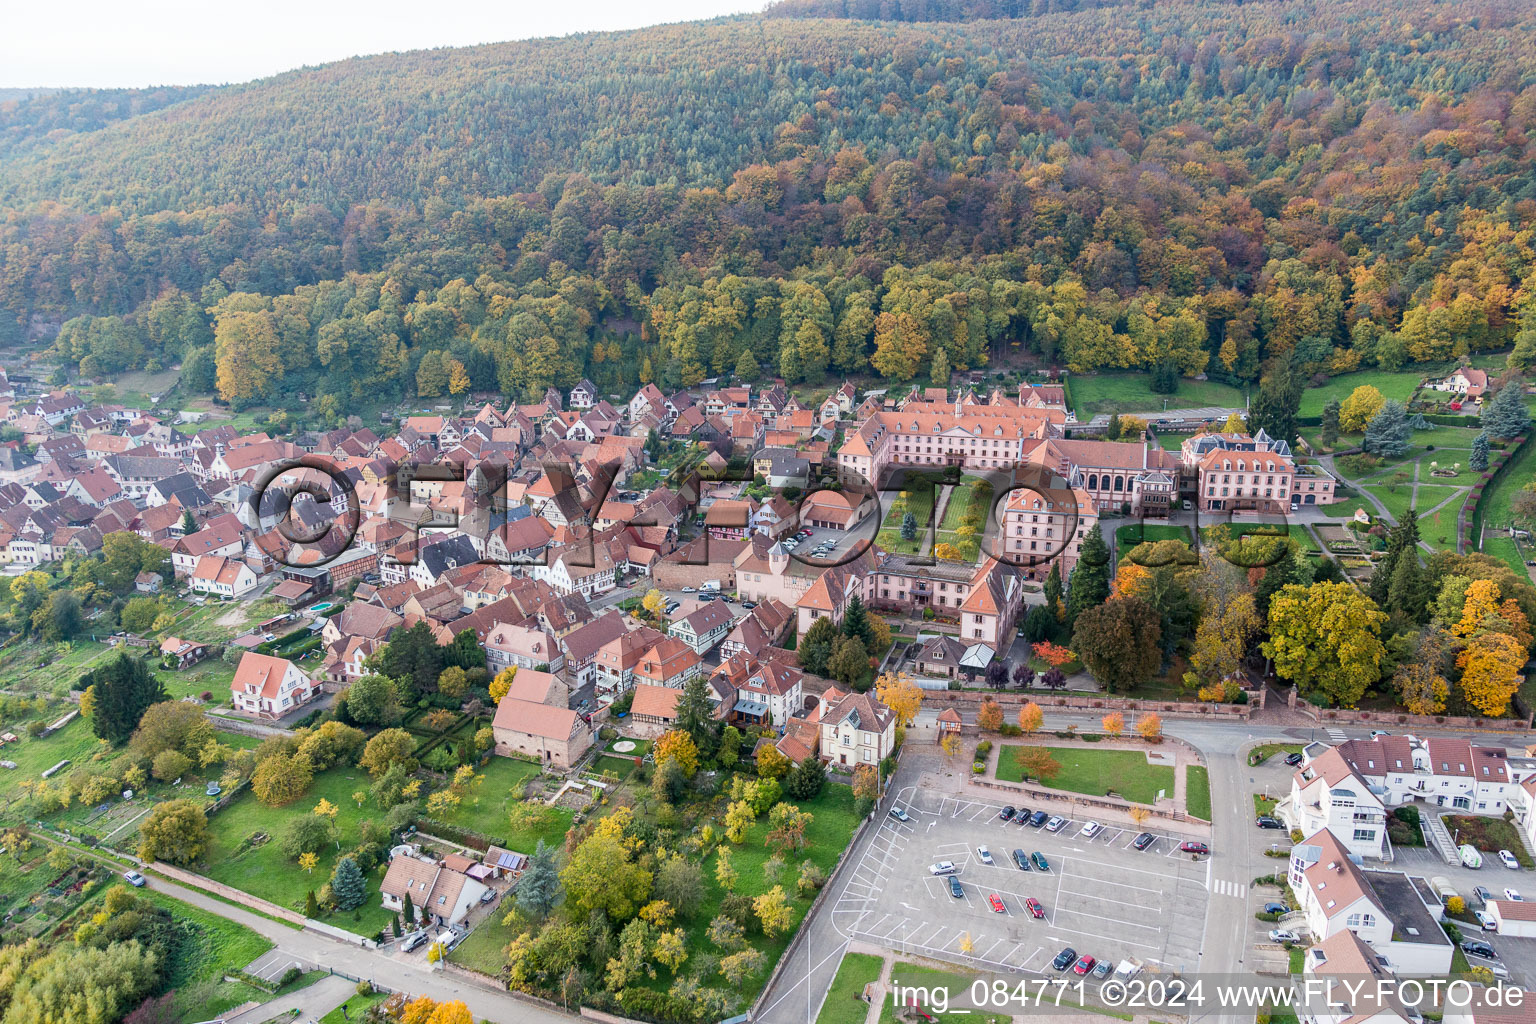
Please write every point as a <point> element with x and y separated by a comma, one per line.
<point>1034,907</point>
<point>997,903</point>
<point>1084,965</point>
<point>1194,848</point>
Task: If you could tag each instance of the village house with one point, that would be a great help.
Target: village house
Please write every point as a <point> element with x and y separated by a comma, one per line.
<point>704,627</point>
<point>439,895</point>
<point>269,687</point>
<point>552,736</point>
<point>856,728</point>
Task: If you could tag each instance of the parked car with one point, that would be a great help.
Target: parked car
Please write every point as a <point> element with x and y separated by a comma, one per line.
<point>900,815</point>
<point>1486,920</point>
<point>1509,860</point>
<point>985,855</point>
<point>954,888</point>
<point>1021,859</point>
<point>1064,959</point>
<point>943,867</point>
<point>1194,848</point>
<point>1481,893</point>
<point>748,605</point>
<point>1038,818</point>
<point>134,879</point>
<point>415,939</point>
<point>1022,817</point>
<point>1477,947</point>
<point>1293,759</point>
<point>1276,908</point>
<point>1035,909</point>
<point>1144,840</point>
<point>1265,821</point>
<point>1055,824</point>
<point>1084,964</point>
<point>1514,894</point>
<point>1040,861</point>
<point>689,590</point>
<point>1006,814</point>
<point>996,903</point>
<point>1283,935</point>
<point>1091,829</point>
<point>1101,971</point>
<point>1377,734</point>
<point>270,637</point>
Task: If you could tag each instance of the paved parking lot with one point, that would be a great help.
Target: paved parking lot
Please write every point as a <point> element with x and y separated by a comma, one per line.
<point>272,964</point>
<point>1517,955</point>
<point>1100,896</point>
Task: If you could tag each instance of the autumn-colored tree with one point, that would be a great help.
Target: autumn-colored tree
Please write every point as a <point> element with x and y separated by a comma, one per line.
<point>948,553</point>
<point>773,911</point>
<point>950,743</point>
<point>1360,408</point>
<point>725,871</point>
<point>866,783</point>
<point>1138,814</point>
<point>654,602</point>
<point>1326,637</point>
<point>1113,724</point>
<point>1150,727</point>
<point>771,763</point>
<point>503,682</point>
<point>1222,639</point>
<point>901,695</point>
<point>1054,655</point>
<point>308,861</point>
<point>739,817</point>
<point>787,827</point>
<point>1035,762</point>
<point>1031,718</point>
<point>1490,674</point>
<point>678,746</point>
<point>1482,601</point>
<point>990,716</point>
<point>1131,580</point>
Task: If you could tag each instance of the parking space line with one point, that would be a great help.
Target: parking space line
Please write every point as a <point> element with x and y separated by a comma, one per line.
<point>1107,919</point>
<point>1120,903</point>
<point>990,948</point>
<point>1108,938</point>
<point>1119,885</point>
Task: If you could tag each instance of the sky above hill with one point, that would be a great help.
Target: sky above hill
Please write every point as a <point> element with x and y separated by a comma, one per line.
<point>137,43</point>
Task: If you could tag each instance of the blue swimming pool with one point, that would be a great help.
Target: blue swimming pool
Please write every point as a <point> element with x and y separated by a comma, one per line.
<point>321,607</point>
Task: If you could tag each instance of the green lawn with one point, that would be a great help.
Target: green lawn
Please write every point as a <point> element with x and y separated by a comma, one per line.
<point>1489,835</point>
<point>482,950</point>
<point>1300,534</point>
<point>1197,791</point>
<point>1496,503</point>
<point>1504,549</point>
<point>972,493</point>
<point>1098,772</point>
<point>354,1007</point>
<point>1132,392</point>
<point>845,1003</point>
<point>1438,529</point>
<point>264,871</point>
<point>1399,499</point>
<point>1264,804</point>
<point>933,979</point>
<point>486,810</point>
<point>1400,385</point>
<point>919,501</point>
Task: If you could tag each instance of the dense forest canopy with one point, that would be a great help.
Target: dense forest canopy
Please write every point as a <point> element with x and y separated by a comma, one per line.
<point>1204,186</point>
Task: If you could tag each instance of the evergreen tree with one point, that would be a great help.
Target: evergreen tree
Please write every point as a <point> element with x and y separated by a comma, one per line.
<point>394,925</point>
<point>312,909</point>
<point>806,780</point>
<point>653,445</point>
<point>909,527</point>
<point>1274,409</point>
<point>1113,430</point>
<point>1418,422</point>
<point>1053,587</point>
<point>746,367</point>
<point>465,651</point>
<point>408,911</point>
<point>696,716</point>
<point>124,688</point>
<point>1407,594</point>
<point>348,885</point>
<point>856,621</point>
<point>1388,433</point>
<point>538,890</point>
<point>188,522</point>
<point>1480,449</point>
<point>1330,433</point>
<point>816,646</point>
<point>1088,586</point>
<point>940,372</point>
<point>1506,416</point>
<point>1165,377</point>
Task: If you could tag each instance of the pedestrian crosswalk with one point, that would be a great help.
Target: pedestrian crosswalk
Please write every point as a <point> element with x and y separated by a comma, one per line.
<point>1337,735</point>
<point>1222,887</point>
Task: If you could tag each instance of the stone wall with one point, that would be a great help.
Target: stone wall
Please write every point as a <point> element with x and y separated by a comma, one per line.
<point>961,699</point>
<point>676,575</point>
<point>1344,716</point>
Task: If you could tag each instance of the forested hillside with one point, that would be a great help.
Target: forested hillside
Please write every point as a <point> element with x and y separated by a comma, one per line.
<point>1203,186</point>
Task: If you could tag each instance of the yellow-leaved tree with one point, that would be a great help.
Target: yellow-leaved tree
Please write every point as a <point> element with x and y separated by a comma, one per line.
<point>901,695</point>
<point>1358,409</point>
<point>1326,637</point>
<point>503,682</point>
<point>1490,673</point>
